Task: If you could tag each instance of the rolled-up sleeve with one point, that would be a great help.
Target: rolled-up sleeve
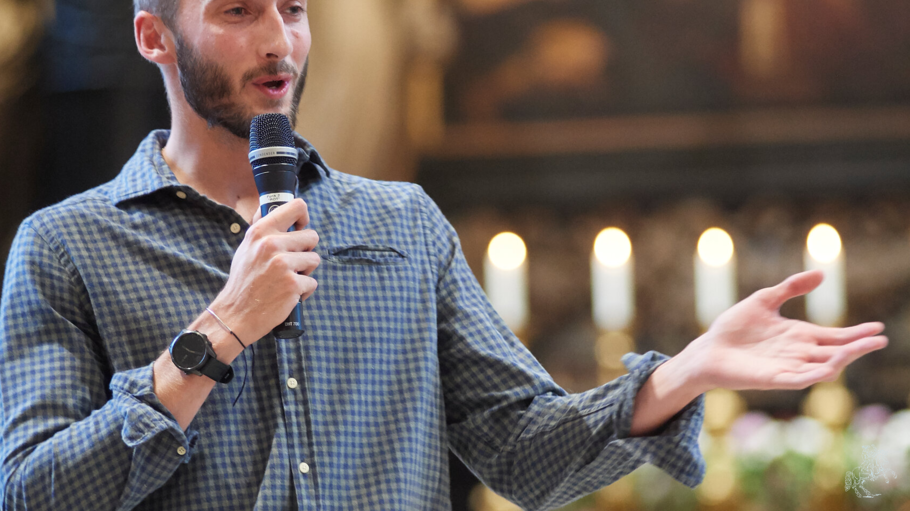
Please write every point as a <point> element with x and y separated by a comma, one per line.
<point>76,435</point>
<point>520,433</point>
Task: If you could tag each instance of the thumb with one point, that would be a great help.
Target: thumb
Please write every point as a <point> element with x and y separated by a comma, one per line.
<point>795,285</point>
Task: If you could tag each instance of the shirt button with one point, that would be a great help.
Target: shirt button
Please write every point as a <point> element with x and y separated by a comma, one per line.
<point>181,450</point>
<point>292,383</point>
<point>304,468</point>
<point>181,195</point>
<point>235,228</point>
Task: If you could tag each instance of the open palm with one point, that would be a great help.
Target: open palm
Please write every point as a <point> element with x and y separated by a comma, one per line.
<point>751,346</point>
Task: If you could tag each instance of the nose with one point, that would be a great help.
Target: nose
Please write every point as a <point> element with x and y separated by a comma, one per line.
<point>276,43</point>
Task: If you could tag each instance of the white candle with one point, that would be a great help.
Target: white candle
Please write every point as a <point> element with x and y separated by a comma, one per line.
<point>612,289</point>
<point>827,304</point>
<point>715,276</point>
<point>505,271</point>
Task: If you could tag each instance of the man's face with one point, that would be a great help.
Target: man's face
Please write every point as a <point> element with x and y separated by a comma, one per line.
<point>263,70</point>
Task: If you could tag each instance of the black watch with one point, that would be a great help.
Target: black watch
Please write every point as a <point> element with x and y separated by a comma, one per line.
<point>193,354</point>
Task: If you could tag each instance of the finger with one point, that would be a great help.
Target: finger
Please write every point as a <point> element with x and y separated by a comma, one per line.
<point>842,355</point>
<point>257,216</point>
<point>307,286</point>
<point>307,263</point>
<point>841,336</point>
<point>293,213</point>
<point>826,370</point>
<point>286,242</point>
<point>296,241</point>
<point>793,286</point>
<point>302,263</point>
<point>821,354</point>
<point>848,353</point>
<point>302,223</point>
<point>824,353</point>
<point>811,374</point>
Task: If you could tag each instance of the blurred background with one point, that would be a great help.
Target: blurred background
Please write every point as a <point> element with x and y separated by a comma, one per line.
<point>713,136</point>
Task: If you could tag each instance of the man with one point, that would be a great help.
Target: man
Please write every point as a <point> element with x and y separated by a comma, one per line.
<point>401,356</point>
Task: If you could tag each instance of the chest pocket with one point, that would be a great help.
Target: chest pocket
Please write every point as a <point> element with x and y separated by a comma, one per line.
<point>368,295</point>
<point>365,255</point>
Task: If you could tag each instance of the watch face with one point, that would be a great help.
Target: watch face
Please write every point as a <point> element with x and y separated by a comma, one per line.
<point>188,351</point>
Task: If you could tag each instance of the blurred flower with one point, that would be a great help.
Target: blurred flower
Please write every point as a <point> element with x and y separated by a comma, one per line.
<point>656,484</point>
<point>868,422</point>
<point>757,436</point>
<point>807,436</point>
<point>746,425</point>
<point>894,443</point>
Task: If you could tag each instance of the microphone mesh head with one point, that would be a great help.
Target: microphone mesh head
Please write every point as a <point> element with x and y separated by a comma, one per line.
<point>271,130</point>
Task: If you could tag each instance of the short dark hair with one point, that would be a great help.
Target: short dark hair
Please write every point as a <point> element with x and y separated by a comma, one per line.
<point>164,9</point>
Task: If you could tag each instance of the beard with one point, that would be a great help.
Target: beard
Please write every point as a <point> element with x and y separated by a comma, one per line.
<point>208,90</point>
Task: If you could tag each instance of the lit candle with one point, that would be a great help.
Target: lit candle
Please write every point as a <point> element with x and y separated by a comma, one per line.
<point>827,304</point>
<point>763,37</point>
<point>505,272</point>
<point>715,276</point>
<point>612,290</point>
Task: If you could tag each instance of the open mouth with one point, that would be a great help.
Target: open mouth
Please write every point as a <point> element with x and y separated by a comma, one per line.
<point>274,87</point>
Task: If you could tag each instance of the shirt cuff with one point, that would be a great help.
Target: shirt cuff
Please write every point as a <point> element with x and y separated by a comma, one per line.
<point>144,416</point>
<point>673,447</point>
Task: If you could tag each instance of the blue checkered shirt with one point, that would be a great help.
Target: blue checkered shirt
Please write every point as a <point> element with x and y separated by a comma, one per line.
<point>402,359</point>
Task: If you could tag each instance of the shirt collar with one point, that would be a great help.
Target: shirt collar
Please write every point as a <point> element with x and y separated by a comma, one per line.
<point>147,172</point>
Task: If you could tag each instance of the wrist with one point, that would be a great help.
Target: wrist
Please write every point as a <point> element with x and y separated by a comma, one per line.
<point>667,390</point>
<point>237,320</point>
<point>224,344</point>
<point>687,369</point>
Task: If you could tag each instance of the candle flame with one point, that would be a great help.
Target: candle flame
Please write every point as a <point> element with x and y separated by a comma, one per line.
<point>823,243</point>
<point>612,247</point>
<point>507,251</point>
<point>715,247</point>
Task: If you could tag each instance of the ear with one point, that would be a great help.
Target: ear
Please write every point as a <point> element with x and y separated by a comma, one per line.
<point>153,39</point>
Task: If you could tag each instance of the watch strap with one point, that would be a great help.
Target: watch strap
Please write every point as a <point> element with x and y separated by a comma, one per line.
<point>217,370</point>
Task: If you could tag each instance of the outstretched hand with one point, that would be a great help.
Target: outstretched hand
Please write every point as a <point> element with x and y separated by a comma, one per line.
<point>751,346</point>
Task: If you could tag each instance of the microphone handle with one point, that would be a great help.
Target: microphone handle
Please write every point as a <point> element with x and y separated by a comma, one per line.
<point>292,327</point>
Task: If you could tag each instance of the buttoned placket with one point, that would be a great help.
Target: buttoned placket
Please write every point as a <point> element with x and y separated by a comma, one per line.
<point>294,398</point>
<point>297,410</point>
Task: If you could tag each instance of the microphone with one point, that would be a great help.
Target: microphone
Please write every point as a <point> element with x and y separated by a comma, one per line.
<point>274,160</point>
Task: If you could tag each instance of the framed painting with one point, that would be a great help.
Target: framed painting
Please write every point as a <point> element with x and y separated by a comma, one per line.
<point>579,76</point>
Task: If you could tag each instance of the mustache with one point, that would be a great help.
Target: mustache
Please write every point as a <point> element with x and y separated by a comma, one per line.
<point>272,68</point>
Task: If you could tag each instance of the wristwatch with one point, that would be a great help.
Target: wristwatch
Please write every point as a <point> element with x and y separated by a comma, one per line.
<point>193,354</point>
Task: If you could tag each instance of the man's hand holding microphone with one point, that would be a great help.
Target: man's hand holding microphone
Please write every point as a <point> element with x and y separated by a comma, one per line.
<point>271,272</point>
<point>271,275</point>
